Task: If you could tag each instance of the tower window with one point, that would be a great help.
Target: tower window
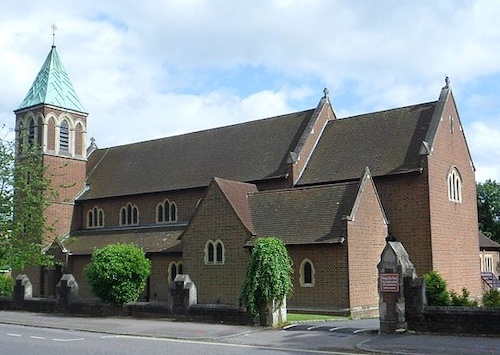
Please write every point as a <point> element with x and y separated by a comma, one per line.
<point>31,132</point>
<point>64,137</point>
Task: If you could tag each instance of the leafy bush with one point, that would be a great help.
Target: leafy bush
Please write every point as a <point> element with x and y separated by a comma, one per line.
<point>118,273</point>
<point>491,298</point>
<point>461,300</point>
<point>6,285</point>
<point>436,292</point>
<point>268,276</point>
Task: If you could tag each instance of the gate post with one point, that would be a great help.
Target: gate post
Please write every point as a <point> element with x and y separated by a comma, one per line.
<point>394,266</point>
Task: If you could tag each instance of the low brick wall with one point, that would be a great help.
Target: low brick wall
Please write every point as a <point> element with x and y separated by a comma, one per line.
<point>456,320</point>
<point>210,313</point>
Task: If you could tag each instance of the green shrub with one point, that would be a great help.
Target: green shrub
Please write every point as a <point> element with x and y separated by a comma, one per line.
<point>436,292</point>
<point>117,273</point>
<point>462,300</point>
<point>491,298</point>
<point>6,285</point>
<point>268,276</point>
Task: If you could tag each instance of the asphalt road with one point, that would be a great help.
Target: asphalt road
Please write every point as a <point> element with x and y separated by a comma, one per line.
<point>356,336</point>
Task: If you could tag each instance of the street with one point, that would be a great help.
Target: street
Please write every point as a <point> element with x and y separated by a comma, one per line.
<point>26,340</point>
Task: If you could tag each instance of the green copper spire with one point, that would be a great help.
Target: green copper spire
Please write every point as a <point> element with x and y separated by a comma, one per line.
<point>52,86</point>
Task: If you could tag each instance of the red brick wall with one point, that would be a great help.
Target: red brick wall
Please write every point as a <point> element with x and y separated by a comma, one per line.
<point>216,220</point>
<point>455,246</point>
<point>366,234</point>
<point>405,199</point>
<point>67,179</point>
<point>331,287</point>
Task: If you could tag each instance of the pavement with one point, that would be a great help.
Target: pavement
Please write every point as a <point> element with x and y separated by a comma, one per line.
<point>351,336</point>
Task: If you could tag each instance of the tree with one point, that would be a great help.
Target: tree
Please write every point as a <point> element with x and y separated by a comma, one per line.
<point>488,206</point>
<point>117,273</point>
<point>436,292</point>
<point>24,191</point>
<point>268,276</point>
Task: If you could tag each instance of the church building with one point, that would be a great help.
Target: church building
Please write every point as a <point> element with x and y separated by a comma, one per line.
<point>333,189</point>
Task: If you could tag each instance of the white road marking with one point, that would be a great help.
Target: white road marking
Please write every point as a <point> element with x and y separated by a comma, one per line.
<point>63,340</point>
<point>362,330</point>
<point>14,335</point>
<point>289,326</point>
<point>314,327</point>
<point>335,328</point>
<point>35,337</point>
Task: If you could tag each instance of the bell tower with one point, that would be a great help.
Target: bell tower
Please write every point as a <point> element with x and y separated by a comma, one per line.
<point>52,118</point>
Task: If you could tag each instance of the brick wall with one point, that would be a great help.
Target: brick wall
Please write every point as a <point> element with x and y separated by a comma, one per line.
<point>67,177</point>
<point>405,199</point>
<point>455,246</point>
<point>216,220</point>
<point>331,286</point>
<point>366,234</point>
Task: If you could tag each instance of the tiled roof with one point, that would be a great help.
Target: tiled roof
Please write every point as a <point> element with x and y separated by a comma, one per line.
<point>486,243</point>
<point>236,193</point>
<point>247,152</point>
<point>388,142</point>
<point>303,215</point>
<point>52,86</point>
<point>155,240</point>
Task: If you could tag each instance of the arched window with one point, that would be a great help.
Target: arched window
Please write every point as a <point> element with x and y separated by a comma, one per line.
<point>129,215</point>
<point>79,139</point>
<point>95,218</point>
<point>20,137</point>
<point>64,137</point>
<point>454,182</point>
<point>31,132</point>
<point>166,211</point>
<point>214,252</point>
<point>307,273</point>
<point>174,269</point>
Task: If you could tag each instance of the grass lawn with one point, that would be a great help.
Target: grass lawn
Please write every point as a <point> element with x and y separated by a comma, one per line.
<point>301,317</point>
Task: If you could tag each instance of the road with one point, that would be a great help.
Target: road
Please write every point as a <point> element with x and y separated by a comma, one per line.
<point>27,340</point>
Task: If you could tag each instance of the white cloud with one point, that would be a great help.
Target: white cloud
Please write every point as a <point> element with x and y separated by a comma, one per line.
<point>177,66</point>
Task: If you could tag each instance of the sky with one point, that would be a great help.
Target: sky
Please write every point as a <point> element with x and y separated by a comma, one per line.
<point>150,69</point>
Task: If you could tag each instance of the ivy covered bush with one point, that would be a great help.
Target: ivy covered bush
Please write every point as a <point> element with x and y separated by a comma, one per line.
<point>268,276</point>
<point>117,273</point>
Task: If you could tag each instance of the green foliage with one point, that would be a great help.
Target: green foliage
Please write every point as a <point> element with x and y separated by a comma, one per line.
<point>24,191</point>
<point>462,300</point>
<point>118,273</point>
<point>491,298</point>
<point>268,276</point>
<point>6,285</point>
<point>488,208</point>
<point>436,292</point>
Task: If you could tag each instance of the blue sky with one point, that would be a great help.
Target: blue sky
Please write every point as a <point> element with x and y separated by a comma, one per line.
<point>150,69</point>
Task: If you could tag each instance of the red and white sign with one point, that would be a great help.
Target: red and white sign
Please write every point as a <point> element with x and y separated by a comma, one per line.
<point>389,282</point>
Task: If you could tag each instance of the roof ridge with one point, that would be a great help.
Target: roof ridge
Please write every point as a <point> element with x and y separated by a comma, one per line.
<point>386,110</point>
<point>213,129</point>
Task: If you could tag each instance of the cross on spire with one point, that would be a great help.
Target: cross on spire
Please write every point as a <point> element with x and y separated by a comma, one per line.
<point>54,28</point>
